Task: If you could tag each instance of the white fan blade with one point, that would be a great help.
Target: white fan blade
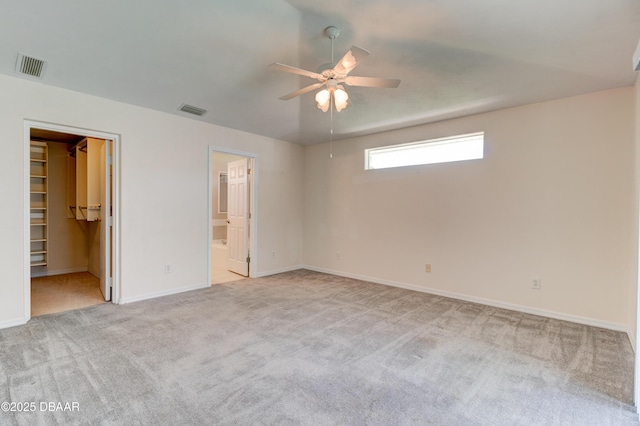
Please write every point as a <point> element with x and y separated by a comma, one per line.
<point>301,91</point>
<point>352,80</point>
<point>294,70</point>
<point>350,60</point>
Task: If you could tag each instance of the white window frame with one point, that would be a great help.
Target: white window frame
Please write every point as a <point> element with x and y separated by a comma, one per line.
<point>465,147</point>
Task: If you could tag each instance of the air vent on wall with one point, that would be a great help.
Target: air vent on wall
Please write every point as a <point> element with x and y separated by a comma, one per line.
<point>192,110</point>
<point>30,66</point>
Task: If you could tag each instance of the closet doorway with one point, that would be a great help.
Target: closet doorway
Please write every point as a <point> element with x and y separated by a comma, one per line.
<point>232,215</point>
<point>70,206</point>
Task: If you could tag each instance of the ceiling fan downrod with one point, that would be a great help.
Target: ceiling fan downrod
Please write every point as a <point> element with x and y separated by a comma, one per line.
<point>332,33</point>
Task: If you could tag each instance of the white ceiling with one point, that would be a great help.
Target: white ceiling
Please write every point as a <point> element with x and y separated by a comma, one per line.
<point>454,57</point>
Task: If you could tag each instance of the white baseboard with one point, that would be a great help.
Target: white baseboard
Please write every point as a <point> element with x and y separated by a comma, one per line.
<point>489,302</point>
<point>279,271</point>
<point>13,323</point>
<point>59,272</point>
<point>153,295</point>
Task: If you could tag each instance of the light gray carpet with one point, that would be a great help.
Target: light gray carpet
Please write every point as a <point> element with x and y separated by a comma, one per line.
<point>305,348</point>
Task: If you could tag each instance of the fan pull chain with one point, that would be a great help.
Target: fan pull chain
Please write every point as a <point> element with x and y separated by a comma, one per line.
<point>331,129</point>
<point>331,110</point>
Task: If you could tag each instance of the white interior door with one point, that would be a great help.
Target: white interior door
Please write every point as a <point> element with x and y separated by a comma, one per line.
<point>106,220</point>
<point>238,217</point>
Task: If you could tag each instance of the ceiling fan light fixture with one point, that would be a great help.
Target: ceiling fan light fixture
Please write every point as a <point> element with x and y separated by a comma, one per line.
<point>341,97</point>
<point>322,98</point>
<point>329,76</point>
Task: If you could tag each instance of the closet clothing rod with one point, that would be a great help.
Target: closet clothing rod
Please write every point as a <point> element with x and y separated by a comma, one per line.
<point>82,146</point>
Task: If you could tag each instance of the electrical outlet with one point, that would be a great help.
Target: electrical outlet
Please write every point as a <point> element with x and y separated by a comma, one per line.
<point>337,255</point>
<point>536,283</point>
<point>427,268</point>
<point>167,268</point>
<point>273,254</point>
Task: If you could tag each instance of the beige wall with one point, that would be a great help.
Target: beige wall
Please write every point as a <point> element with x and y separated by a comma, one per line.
<point>553,198</point>
<point>164,175</point>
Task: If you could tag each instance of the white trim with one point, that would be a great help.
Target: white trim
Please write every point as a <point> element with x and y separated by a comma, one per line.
<point>209,214</point>
<point>636,380</point>
<point>60,272</point>
<point>163,293</point>
<point>281,270</point>
<point>431,151</point>
<point>253,204</point>
<point>13,323</point>
<point>253,222</point>
<point>94,273</point>
<point>26,272</point>
<point>489,302</point>
<point>115,205</point>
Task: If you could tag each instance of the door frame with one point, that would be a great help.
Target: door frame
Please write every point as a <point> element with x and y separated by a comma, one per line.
<point>253,207</point>
<point>116,290</point>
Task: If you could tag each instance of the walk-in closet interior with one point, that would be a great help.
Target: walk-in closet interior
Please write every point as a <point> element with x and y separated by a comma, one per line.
<point>68,186</point>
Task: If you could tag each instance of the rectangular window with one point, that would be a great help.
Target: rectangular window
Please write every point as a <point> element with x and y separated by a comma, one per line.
<point>223,180</point>
<point>443,150</point>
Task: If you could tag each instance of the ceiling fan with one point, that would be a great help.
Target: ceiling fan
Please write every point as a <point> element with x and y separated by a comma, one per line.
<point>330,76</point>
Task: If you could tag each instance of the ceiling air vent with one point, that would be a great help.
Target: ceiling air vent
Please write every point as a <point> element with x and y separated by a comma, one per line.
<point>30,66</point>
<point>192,110</point>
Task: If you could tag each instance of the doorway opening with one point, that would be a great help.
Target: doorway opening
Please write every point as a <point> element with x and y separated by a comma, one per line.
<point>70,206</point>
<point>232,215</point>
